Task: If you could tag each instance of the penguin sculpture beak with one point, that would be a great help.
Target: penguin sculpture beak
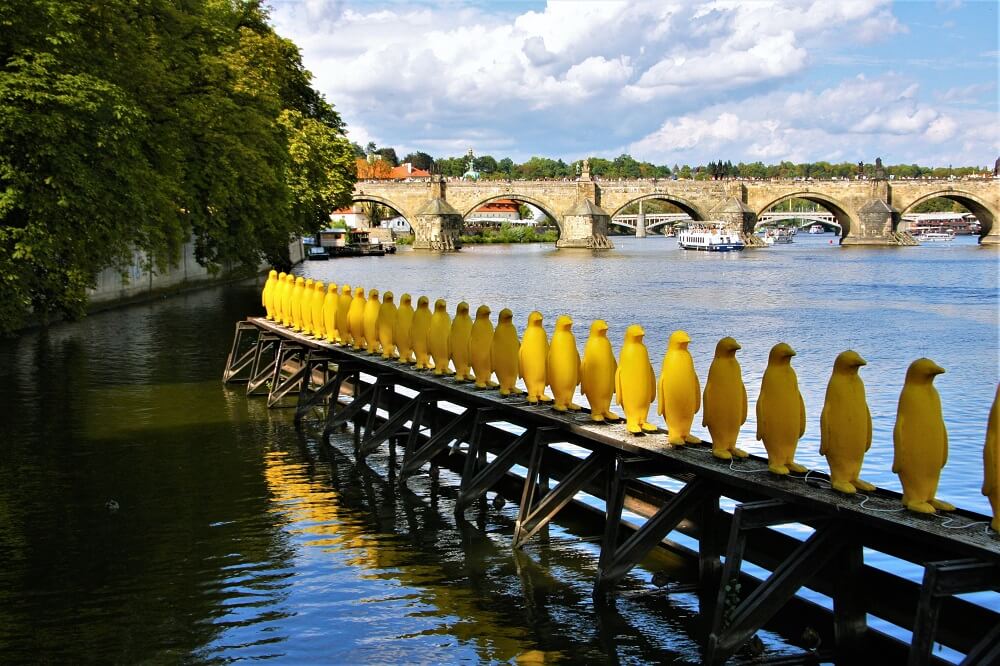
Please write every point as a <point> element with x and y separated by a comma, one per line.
<point>937,370</point>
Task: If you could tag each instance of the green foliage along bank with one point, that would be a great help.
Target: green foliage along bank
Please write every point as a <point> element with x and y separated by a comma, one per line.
<point>509,233</point>
<point>135,125</point>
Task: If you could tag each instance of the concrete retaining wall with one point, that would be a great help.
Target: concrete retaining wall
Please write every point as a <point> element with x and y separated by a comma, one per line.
<point>138,283</point>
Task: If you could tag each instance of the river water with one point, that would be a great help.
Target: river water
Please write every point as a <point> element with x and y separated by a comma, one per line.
<point>148,513</point>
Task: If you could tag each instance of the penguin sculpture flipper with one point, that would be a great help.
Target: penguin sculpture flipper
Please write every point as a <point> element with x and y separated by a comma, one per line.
<point>760,417</point>
<point>697,394</point>
<point>708,400</point>
<point>868,413</point>
<point>897,437</point>
<point>583,373</point>
<point>743,390</point>
<point>802,416</point>
<point>824,432</point>
<point>618,386</point>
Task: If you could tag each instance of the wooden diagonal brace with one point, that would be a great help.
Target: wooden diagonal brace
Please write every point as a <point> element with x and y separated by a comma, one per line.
<point>533,516</point>
<point>477,475</point>
<point>415,457</point>
<point>262,370</point>
<point>238,360</point>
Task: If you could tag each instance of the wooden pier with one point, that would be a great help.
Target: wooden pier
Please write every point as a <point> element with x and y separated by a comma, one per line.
<point>438,421</point>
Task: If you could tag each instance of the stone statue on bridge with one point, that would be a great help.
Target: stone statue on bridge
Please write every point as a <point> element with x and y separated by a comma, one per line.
<point>996,168</point>
<point>879,169</point>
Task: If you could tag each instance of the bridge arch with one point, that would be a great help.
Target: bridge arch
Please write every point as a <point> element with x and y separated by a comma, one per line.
<point>520,198</point>
<point>978,207</point>
<point>839,210</point>
<point>364,198</point>
<point>807,220</point>
<point>692,210</point>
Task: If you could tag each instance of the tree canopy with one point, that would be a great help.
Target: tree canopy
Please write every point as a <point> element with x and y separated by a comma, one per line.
<point>134,125</point>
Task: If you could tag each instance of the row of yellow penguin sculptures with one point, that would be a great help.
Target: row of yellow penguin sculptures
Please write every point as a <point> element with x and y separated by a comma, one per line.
<point>478,351</point>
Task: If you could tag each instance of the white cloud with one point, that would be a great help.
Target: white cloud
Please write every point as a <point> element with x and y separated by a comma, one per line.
<point>577,78</point>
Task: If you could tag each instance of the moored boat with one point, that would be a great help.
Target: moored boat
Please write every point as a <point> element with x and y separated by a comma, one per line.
<point>710,239</point>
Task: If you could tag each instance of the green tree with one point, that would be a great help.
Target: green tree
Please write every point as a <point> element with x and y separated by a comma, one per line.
<point>420,160</point>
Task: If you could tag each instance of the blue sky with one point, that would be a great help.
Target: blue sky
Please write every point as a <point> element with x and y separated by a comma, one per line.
<point>670,81</point>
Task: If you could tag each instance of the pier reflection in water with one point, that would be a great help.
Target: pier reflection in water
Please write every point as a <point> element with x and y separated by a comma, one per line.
<point>237,537</point>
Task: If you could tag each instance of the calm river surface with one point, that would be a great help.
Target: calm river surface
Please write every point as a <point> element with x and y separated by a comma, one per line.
<point>148,513</point>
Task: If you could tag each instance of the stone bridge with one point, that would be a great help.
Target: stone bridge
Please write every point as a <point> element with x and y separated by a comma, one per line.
<point>868,211</point>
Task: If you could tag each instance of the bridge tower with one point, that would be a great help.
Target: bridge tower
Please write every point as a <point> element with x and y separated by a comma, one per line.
<point>437,225</point>
<point>738,218</point>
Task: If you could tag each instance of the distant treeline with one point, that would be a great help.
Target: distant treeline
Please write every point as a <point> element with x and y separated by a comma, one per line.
<point>625,166</point>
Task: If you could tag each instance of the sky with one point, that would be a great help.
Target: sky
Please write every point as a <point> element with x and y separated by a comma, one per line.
<point>668,81</point>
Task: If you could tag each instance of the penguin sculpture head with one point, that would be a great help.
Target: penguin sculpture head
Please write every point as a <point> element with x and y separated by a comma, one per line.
<point>781,353</point>
<point>272,274</point>
<point>564,323</point>
<point>309,283</point>
<point>282,275</point>
<point>634,333</point>
<point>300,280</point>
<point>535,319</point>
<point>848,362</point>
<point>462,309</point>
<point>679,340</point>
<point>332,289</point>
<point>345,289</point>
<point>387,297</point>
<point>506,316</point>
<point>727,346</point>
<point>923,370</point>
<point>318,285</point>
<point>373,294</point>
<point>422,302</point>
<point>440,305</point>
<point>599,328</point>
<point>483,312</point>
<point>359,292</point>
<point>404,299</point>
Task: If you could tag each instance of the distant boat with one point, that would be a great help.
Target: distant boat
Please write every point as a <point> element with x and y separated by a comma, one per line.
<point>935,235</point>
<point>709,239</point>
<point>777,236</point>
<point>817,229</point>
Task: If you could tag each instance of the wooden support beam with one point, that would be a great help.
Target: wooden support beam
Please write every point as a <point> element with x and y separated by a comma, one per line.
<point>944,579</point>
<point>281,384</point>
<point>310,397</point>
<point>850,621</point>
<point>415,456</point>
<point>536,512</point>
<point>477,475</point>
<point>265,356</point>
<point>375,437</point>
<point>752,613</point>
<point>239,359</point>
<point>619,560</point>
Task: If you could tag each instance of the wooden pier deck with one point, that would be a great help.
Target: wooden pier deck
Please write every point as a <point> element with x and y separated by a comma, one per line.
<point>392,403</point>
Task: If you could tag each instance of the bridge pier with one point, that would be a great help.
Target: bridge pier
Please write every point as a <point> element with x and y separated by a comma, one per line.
<point>437,227</point>
<point>876,225</point>
<point>585,225</point>
<point>739,219</point>
<point>992,236</point>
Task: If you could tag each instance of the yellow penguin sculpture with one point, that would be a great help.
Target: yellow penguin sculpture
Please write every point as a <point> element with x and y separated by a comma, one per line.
<point>344,301</point>
<point>781,412</point>
<point>991,463</point>
<point>319,296</point>
<point>437,338</point>
<point>297,293</point>
<point>458,343</point>
<point>562,366</point>
<point>920,438</point>
<point>307,298</point>
<point>597,373</point>
<point>277,298</point>
<point>330,313</point>
<point>387,325</point>
<point>532,358</point>
<point>356,318</point>
<point>480,348</point>
<point>505,352</point>
<point>635,381</point>
<point>372,307</point>
<point>845,424</point>
<point>286,299</point>
<point>403,331</point>
<point>420,328</point>
<point>267,296</point>
<point>725,401</point>
<point>680,391</point>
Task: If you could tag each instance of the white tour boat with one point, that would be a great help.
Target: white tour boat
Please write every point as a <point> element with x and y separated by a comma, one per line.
<point>709,239</point>
<point>934,235</point>
<point>817,229</point>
